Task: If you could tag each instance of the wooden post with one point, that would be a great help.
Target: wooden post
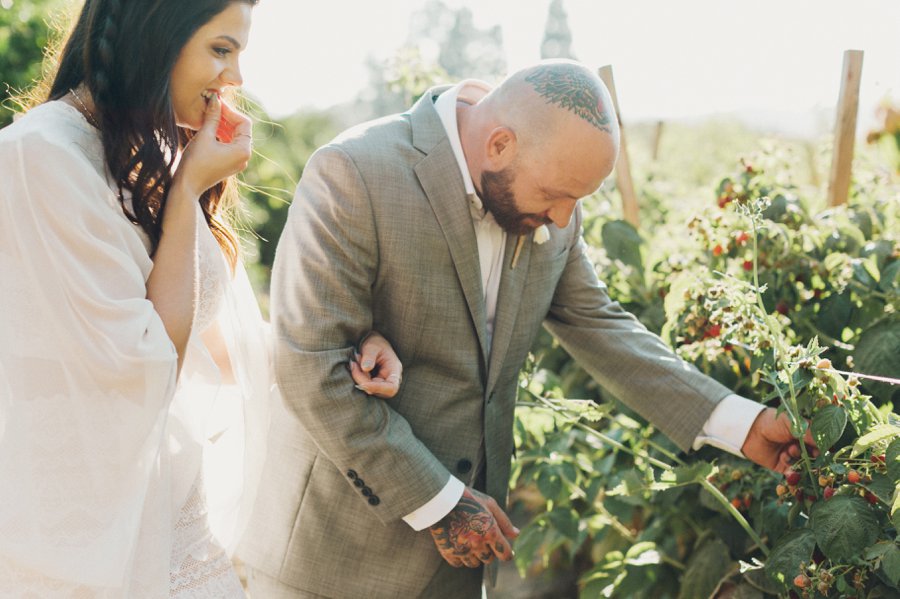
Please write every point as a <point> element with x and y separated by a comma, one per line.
<point>657,136</point>
<point>845,128</point>
<point>623,167</point>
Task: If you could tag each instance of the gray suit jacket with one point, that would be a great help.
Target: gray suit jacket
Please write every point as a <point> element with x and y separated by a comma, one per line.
<point>380,237</point>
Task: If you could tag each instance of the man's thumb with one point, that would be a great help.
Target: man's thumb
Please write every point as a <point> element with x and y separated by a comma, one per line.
<point>367,358</point>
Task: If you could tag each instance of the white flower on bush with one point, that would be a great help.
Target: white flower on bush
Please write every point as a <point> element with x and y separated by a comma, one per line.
<point>541,234</point>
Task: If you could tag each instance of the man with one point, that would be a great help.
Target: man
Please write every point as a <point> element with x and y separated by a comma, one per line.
<point>422,226</point>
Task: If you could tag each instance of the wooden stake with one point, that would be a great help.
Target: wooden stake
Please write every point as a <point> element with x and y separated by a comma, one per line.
<point>657,136</point>
<point>845,128</point>
<point>623,167</point>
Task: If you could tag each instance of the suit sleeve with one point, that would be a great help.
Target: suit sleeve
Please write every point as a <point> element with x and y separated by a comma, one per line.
<point>324,271</point>
<point>632,363</point>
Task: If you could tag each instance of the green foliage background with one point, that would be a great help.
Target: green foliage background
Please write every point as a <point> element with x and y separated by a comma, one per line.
<point>605,515</point>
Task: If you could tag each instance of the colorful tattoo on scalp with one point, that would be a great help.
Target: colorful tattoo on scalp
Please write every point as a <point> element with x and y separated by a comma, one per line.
<point>571,89</point>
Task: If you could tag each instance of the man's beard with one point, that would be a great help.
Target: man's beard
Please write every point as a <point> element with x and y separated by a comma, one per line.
<point>497,198</point>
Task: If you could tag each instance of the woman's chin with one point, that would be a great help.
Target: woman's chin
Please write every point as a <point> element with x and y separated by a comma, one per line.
<point>193,124</point>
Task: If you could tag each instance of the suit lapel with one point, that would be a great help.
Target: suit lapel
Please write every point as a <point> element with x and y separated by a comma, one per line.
<point>509,300</point>
<point>440,179</point>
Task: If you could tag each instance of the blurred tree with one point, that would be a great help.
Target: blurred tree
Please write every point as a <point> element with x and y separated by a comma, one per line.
<point>557,35</point>
<point>281,150</point>
<point>471,52</point>
<point>25,33</point>
<point>443,46</point>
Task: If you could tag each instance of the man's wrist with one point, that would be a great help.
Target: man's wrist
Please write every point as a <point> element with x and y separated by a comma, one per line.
<point>437,507</point>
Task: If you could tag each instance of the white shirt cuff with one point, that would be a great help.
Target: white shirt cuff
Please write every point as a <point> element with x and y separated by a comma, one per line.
<point>438,507</point>
<point>729,424</point>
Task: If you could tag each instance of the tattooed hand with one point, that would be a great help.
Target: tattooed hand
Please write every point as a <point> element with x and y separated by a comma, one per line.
<point>474,532</point>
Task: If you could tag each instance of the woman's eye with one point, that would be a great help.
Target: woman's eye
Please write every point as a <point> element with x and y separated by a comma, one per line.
<point>222,51</point>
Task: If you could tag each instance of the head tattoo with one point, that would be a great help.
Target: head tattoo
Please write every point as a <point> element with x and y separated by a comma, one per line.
<point>570,88</point>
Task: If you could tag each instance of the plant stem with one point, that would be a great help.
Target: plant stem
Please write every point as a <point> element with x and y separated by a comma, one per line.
<point>659,464</point>
<point>736,514</point>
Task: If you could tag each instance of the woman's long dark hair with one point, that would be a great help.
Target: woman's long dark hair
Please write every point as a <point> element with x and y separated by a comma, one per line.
<point>124,51</point>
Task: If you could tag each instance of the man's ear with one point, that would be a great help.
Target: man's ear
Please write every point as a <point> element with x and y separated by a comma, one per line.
<point>502,147</point>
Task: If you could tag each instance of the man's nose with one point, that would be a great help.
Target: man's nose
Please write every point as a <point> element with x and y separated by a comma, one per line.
<point>561,213</point>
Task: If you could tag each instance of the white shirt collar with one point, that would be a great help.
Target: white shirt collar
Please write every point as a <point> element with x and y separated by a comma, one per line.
<point>445,106</point>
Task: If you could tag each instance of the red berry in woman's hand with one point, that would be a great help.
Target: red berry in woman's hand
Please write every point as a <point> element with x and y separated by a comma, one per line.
<point>792,477</point>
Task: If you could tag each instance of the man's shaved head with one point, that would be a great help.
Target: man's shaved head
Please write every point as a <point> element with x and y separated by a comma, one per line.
<point>542,139</point>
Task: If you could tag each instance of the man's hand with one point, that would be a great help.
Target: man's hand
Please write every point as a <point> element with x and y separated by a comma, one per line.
<point>474,532</point>
<point>376,369</point>
<point>771,444</point>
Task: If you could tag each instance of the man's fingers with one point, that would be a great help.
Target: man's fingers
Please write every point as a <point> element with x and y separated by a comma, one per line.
<point>382,389</point>
<point>501,548</point>
<point>506,527</point>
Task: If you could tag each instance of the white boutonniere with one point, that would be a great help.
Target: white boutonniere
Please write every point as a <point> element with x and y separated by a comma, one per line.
<point>541,235</point>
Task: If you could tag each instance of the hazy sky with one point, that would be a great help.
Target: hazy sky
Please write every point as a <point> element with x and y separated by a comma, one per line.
<point>774,61</point>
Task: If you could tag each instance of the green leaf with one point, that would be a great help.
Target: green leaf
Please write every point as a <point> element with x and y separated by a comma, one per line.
<point>876,353</point>
<point>875,435</point>
<point>758,580</point>
<point>693,473</point>
<point>834,313</point>
<point>622,242</point>
<point>866,272</point>
<point>892,457</point>
<point>890,277</point>
<point>642,554</point>
<point>844,526</point>
<point>792,549</point>
<point>882,486</point>
<point>890,562</point>
<point>706,568</point>
<point>746,591</point>
<point>895,508</point>
<point>565,521</point>
<point>828,426</point>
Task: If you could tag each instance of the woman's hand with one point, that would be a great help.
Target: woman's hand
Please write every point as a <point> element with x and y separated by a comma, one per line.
<point>221,148</point>
<point>376,369</point>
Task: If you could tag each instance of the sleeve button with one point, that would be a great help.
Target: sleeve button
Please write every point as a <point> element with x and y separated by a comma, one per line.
<point>463,466</point>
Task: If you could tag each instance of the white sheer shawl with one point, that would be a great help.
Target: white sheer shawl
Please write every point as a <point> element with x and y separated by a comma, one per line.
<point>98,448</point>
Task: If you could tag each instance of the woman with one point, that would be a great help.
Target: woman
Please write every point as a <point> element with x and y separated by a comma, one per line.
<point>131,348</point>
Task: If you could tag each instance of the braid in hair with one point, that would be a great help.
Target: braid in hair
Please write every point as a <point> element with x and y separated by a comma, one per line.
<point>99,50</point>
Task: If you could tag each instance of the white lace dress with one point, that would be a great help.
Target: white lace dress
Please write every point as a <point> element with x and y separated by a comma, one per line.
<point>108,479</point>
<point>200,568</point>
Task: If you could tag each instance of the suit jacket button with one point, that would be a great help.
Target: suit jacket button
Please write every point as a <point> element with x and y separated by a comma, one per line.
<point>373,500</point>
<point>351,474</point>
<point>366,491</point>
<point>359,482</point>
<point>463,466</point>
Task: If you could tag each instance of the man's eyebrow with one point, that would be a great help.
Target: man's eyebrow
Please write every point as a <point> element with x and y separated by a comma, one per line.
<point>231,40</point>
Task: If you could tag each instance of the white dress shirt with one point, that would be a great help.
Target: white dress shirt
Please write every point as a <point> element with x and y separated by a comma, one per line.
<point>727,426</point>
